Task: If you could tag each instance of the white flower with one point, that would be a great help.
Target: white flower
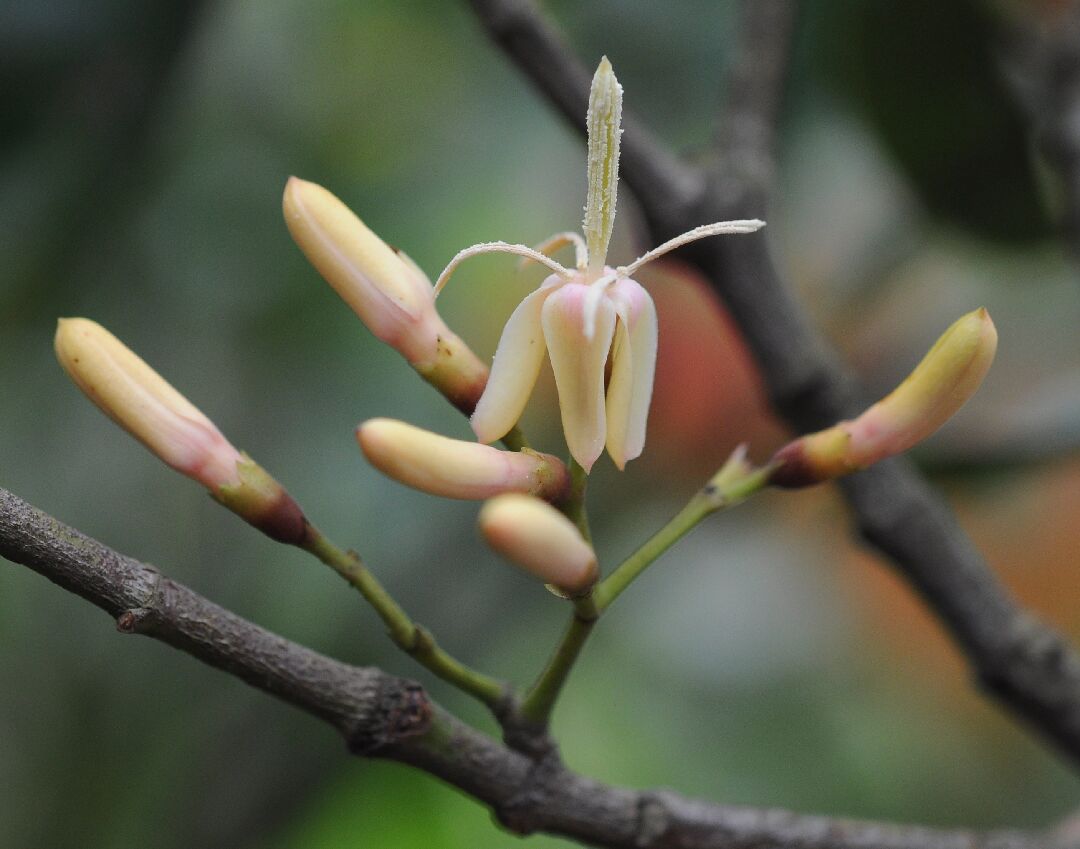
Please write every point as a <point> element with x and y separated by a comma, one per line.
<point>585,317</point>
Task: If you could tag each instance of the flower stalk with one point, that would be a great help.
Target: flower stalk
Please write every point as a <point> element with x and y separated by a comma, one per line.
<point>733,484</point>
<point>539,701</point>
<point>138,399</point>
<point>411,638</point>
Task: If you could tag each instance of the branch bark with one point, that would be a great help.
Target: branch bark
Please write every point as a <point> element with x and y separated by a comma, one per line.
<point>1045,59</point>
<point>1029,667</point>
<point>382,715</point>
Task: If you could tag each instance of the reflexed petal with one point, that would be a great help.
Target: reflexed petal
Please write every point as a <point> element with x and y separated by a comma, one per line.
<point>578,363</point>
<point>598,291</point>
<point>632,369</point>
<point>515,368</point>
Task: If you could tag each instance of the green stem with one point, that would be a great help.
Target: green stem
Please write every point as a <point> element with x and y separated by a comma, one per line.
<point>410,637</point>
<point>515,440</point>
<point>540,700</point>
<point>574,506</point>
<point>732,484</point>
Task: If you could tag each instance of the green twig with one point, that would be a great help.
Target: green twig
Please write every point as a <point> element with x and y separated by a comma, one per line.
<point>732,484</point>
<point>412,638</point>
<point>515,440</point>
<point>540,700</point>
<point>574,506</point>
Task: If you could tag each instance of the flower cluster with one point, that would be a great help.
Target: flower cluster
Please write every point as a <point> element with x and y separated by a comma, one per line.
<point>594,322</point>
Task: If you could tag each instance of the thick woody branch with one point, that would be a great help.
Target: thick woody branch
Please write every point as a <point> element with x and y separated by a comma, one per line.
<point>368,706</point>
<point>385,716</point>
<point>1027,665</point>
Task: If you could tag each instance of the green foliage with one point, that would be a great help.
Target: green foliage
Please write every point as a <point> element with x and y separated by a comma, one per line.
<point>925,76</point>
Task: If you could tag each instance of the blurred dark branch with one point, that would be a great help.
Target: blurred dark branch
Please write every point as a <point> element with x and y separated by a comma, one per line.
<point>1014,656</point>
<point>381,715</point>
<point>519,28</point>
<point>1044,68</point>
<point>746,130</point>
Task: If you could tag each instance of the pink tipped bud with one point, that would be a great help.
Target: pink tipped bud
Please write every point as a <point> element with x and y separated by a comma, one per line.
<point>457,469</point>
<point>139,400</point>
<point>939,386</point>
<point>389,293</point>
<point>535,536</point>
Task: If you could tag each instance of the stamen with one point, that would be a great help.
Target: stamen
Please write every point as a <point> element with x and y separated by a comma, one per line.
<point>705,230</point>
<point>604,123</point>
<point>557,243</point>
<point>499,247</point>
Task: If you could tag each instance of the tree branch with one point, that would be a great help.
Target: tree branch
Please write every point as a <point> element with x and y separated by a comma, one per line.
<point>384,716</point>
<point>1045,56</point>
<point>746,126</point>
<point>1029,667</point>
<point>520,30</point>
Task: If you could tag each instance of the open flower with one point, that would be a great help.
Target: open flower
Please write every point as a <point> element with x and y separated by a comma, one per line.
<point>585,319</point>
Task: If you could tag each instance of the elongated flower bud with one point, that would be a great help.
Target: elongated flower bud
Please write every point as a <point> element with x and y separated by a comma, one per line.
<point>535,536</point>
<point>139,400</point>
<point>384,288</point>
<point>939,386</point>
<point>457,469</point>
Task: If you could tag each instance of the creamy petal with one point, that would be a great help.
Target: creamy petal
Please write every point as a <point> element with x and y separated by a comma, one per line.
<point>578,362</point>
<point>516,366</point>
<point>632,369</point>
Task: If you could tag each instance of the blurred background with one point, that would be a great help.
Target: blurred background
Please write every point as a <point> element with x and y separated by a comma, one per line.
<point>767,661</point>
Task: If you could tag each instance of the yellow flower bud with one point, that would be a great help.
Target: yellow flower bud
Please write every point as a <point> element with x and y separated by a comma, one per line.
<point>370,277</point>
<point>535,536</point>
<point>942,382</point>
<point>389,293</point>
<point>139,400</point>
<point>454,468</point>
